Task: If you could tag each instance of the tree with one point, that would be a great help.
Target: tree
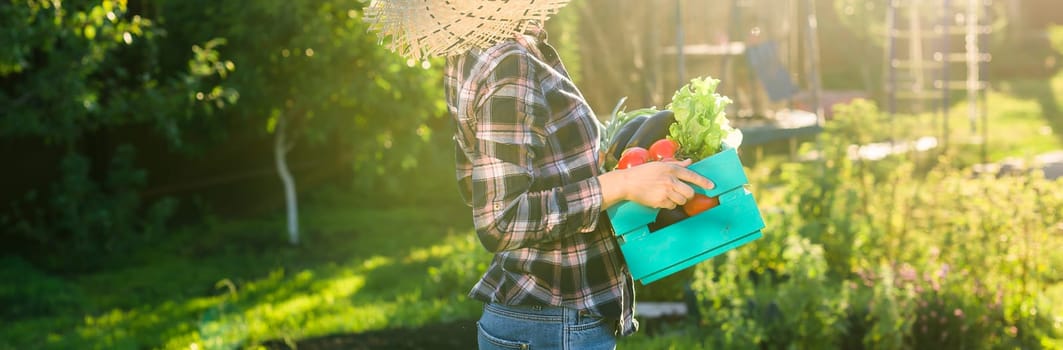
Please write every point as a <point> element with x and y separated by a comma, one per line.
<point>310,72</point>
<point>70,74</point>
<point>76,68</point>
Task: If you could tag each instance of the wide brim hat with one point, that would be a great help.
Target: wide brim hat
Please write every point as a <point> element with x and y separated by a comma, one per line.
<point>418,29</point>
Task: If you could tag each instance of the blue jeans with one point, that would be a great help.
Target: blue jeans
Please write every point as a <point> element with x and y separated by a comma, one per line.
<point>542,327</point>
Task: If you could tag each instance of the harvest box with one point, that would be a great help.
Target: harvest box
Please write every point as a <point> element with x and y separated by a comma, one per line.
<point>736,221</point>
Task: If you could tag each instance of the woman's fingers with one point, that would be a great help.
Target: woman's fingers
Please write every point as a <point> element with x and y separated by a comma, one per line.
<point>682,163</point>
<point>683,190</point>
<point>690,176</point>
<point>687,175</point>
<point>665,184</point>
<point>677,198</point>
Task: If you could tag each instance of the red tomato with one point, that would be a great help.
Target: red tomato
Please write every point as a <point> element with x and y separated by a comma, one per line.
<point>700,203</point>
<point>663,149</point>
<point>632,157</point>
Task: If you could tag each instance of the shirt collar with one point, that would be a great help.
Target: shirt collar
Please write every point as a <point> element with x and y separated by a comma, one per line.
<point>534,39</point>
<point>536,30</point>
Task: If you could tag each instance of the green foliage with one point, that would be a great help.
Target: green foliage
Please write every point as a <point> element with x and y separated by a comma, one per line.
<point>86,216</point>
<point>72,73</point>
<point>778,299</point>
<point>902,252</point>
<point>82,76</point>
<point>316,65</point>
<point>701,126</point>
<point>75,68</point>
<point>27,292</point>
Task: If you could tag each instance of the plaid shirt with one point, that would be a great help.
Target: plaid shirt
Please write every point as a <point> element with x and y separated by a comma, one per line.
<point>527,163</point>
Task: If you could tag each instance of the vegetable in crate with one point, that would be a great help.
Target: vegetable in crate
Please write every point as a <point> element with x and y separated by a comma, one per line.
<point>619,129</point>
<point>667,217</point>
<point>663,149</point>
<point>701,126</point>
<point>618,141</point>
<point>700,203</point>
<point>701,129</point>
<point>633,156</point>
<point>654,129</point>
<point>695,126</point>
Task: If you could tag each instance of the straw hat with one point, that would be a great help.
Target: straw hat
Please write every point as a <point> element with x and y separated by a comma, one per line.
<point>422,28</point>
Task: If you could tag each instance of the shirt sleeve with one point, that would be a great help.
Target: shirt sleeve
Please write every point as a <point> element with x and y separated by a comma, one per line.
<point>511,114</point>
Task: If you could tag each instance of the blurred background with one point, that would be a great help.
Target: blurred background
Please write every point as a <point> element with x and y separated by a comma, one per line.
<point>214,175</point>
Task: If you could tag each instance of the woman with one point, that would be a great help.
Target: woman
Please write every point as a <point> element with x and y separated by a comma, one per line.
<point>527,164</point>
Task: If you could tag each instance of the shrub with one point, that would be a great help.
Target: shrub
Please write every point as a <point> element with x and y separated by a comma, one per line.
<point>27,292</point>
<point>781,299</point>
<point>85,217</point>
<point>902,252</point>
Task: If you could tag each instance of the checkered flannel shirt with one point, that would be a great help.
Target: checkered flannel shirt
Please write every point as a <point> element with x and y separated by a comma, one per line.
<point>527,163</point>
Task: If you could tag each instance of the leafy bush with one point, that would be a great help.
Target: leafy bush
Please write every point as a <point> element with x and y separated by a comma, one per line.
<point>84,217</point>
<point>81,76</point>
<point>28,292</point>
<point>78,68</point>
<point>774,300</point>
<point>903,252</point>
<point>71,74</point>
<point>317,68</point>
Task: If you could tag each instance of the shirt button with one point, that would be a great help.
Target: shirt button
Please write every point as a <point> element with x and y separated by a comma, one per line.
<point>498,206</point>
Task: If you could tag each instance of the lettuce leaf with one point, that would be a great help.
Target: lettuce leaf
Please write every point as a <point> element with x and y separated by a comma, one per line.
<point>701,128</point>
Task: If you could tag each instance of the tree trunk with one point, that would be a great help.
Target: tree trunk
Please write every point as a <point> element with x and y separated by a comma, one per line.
<point>280,153</point>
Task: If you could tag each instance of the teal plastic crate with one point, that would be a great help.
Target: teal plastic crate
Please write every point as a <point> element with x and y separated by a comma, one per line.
<point>736,221</point>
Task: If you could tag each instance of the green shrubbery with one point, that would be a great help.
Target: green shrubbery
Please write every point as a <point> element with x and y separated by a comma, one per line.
<point>84,216</point>
<point>70,76</point>
<point>84,84</point>
<point>906,252</point>
<point>27,292</point>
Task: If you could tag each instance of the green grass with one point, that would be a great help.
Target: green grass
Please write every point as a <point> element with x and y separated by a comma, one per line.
<point>685,338</point>
<point>1024,120</point>
<point>238,283</point>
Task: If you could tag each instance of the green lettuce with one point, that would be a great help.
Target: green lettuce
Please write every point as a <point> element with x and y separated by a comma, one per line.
<point>701,128</point>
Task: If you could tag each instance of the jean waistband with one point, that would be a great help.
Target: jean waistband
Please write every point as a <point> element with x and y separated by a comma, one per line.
<point>545,313</point>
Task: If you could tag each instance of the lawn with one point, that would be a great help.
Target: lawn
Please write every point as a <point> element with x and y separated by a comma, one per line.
<point>1025,120</point>
<point>359,269</point>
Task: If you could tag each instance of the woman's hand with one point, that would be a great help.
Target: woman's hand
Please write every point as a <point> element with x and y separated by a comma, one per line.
<point>665,184</point>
